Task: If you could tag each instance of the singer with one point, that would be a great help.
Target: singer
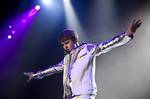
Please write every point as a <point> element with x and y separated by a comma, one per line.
<point>78,65</point>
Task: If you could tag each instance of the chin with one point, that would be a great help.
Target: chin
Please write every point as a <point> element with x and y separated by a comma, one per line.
<point>67,51</point>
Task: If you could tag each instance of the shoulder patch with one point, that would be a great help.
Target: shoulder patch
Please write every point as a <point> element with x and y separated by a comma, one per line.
<point>90,47</point>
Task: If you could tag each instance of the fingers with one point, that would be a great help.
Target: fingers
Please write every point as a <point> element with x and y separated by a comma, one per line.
<point>136,24</point>
<point>133,22</point>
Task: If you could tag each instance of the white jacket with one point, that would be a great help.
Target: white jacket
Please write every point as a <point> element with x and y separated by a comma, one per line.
<point>78,67</point>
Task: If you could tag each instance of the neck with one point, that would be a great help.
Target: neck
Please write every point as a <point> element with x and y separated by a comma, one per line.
<point>75,46</point>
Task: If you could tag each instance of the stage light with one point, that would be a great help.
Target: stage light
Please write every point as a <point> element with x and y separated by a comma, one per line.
<point>13,31</point>
<point>47,2</point>
<point>9,36</point>
<point>37,7</point>
<point>10,26</point>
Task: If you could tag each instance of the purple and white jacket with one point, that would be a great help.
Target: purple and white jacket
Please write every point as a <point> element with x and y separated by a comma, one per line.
<point>78,66</point>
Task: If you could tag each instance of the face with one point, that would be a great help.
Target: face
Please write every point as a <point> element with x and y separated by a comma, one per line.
<point>68,45</point>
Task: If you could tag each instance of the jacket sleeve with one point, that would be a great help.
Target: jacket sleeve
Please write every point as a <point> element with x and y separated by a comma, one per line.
<point>49,71</point>
<point>117,41</point>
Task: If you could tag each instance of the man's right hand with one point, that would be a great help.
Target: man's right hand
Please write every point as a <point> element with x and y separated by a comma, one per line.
<point>29,75</point>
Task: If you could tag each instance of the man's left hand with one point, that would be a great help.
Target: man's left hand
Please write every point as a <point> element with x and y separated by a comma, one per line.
<point>133,27</point>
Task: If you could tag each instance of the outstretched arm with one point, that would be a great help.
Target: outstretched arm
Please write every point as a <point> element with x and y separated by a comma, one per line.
<point>47,72</point>
<point>120,39</point>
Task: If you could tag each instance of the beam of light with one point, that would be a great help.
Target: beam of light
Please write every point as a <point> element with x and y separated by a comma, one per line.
<point>103,19</point>
<point>127,76</point>
<point>24,20</point>
<point>10,43</point>
<point>47,2</point>
<point>72,20</point>
<point>34,10</point>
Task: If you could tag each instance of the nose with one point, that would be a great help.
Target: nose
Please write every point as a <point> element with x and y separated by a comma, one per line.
<point>65,46</point>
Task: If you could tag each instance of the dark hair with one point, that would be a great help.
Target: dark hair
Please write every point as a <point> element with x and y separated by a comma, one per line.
<point>68,34</point>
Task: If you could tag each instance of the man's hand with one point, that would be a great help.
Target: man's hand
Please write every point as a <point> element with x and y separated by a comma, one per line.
<point>133,27</point>
<point>30,76</point>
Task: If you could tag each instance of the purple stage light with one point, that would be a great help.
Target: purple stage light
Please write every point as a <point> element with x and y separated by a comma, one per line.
<point>34,10</point>
<point>13,31</point>
<point>9,36</point>
<point>37,7</point>
<point>10,26</point>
